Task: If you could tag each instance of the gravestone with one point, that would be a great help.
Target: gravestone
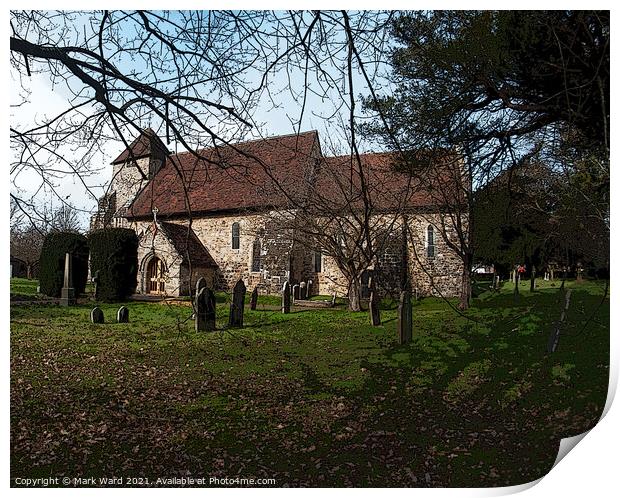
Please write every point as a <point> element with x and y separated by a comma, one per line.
<point>254,298</point>
<point>554,338</point>
<point>200,284</point>
<point>286,297</point>
<point>295,292</point>
<point>302,290</point>
<point>373,307</point>
<point>96,280</point>
<point>67,294</point>
<point>122,315</point>
<point>205,310</point>
<point>405,322</point>
<point>96,315</point>
<point>235,316</point>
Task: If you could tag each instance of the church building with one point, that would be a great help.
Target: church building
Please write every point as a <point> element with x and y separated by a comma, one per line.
<point>214,213</point>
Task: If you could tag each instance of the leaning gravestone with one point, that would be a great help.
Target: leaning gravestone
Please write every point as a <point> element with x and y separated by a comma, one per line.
<point>373,306</point>
<point>554,338</point>
<point>205,310</point>
<point>235,318</point>
<point>122,315</point>
<point>302,290</point>
<point>286,297</point>
<point>96,315</point>
<point>254,298</point>
<point>405,322</point>
<point>67,293</point>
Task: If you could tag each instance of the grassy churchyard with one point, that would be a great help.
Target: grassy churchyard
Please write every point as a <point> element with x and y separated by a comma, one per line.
<point>316,397</point>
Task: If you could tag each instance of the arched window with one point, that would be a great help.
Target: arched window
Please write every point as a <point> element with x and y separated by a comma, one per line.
<point>235,235</point>
<point>430,242</point>
<point>318,266</point>
<point>256,255</point>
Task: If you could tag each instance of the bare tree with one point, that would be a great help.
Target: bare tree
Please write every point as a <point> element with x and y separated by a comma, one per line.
<point>26,247</point>
<point>27,232</point>
<point>350,213</point>
<point>26,240</point>
<point>65,219</point>
<point>199,97</point>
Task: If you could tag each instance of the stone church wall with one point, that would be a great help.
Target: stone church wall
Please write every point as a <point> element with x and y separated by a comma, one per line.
<point>439,275</point>
<point>281,260</point>
<point>128,180</point>
<point>215,232</point>
<point>177,277</point>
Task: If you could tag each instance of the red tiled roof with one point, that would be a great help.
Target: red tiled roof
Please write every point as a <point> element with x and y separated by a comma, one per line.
<point>284,171</point>
<point>147,143</point>
<point>259,174</point>
<point>185,241</point>
<point>392,183</point>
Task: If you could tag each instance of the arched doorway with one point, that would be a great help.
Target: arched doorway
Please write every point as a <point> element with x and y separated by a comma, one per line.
<point>155,283</point>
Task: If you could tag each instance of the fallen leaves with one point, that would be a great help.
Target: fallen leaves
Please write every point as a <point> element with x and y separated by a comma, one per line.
<point>157,404</point>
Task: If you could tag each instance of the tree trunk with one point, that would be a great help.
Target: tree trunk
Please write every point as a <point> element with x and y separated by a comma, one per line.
<point>465,285</point>
<point>404,257</point>
<point>355,293</point>
<point>533,279</point>
<point>28,271</point>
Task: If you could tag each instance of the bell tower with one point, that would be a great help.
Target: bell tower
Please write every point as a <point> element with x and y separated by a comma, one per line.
<point>132,170</point>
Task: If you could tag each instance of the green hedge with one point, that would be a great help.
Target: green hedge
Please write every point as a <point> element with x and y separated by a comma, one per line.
<point>52,262</point>
<point>114,253</point>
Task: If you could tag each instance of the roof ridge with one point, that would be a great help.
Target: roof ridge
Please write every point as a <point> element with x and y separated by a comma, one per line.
<point>373,153</point>
<point>264,139</point>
